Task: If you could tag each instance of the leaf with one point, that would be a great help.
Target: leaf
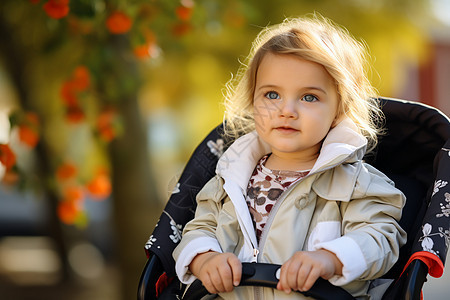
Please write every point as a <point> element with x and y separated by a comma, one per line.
<point>426,229</point>
<point>427,243</point>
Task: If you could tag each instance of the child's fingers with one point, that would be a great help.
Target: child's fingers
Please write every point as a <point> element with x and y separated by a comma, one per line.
<point>292,273</point>
<point>236,269</point>
<point>221,272</point>
<point>283,283</point>
<point>302,274</point>
<point>313,275</point>
<point>226,277</point>
<point>207,283</point>
<point>216,281</point>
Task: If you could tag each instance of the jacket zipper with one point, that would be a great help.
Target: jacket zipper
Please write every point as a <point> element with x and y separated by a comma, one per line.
<point>255,255</point>
<point>258,291</point>
<point>280,200</point>
<point>272,214</point>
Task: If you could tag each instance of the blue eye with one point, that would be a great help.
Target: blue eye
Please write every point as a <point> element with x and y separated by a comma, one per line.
<point>272,95</point>
<point>310,98</point>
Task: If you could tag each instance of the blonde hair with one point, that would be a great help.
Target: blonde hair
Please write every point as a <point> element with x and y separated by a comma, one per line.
<point>315,39</point>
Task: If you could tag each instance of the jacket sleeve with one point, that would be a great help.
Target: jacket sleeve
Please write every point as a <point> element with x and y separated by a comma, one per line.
<point>371,236</point>
<point>199,234</point>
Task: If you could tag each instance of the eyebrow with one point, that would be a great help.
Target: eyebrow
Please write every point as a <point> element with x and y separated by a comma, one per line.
<point>305,88</point>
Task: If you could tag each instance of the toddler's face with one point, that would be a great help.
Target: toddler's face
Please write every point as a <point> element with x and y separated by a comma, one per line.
<point>295,105</point>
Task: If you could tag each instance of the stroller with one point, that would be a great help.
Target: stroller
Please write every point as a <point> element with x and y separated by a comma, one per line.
<point>414,152</point>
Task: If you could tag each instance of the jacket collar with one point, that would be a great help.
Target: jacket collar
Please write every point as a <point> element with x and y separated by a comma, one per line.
<point>342,144</point>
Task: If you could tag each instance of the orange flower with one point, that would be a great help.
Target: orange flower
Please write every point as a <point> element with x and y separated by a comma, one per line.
<point>29,129</point>
<point>100,186</point>
<point>57,9</point>
<point>107,134</point>
<point>74,194</point>
<point>74,114</point>
<point>118,23</point>
<point>181,29</point>
<point>147,49</point>
<point>81,78</point>
<point>105,125</point>
<point>78,82</point>
<point>68,211</point>
<point>7,156</point>
<point>71,206</point>
<point>142,51</point>
<point>183,13</point>
<point>28,135</point>
<point>66,171</point>
<point>68,93</point>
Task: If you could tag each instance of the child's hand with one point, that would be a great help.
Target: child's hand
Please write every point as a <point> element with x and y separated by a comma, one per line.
<point>219,272</point>
<point>304,267</point>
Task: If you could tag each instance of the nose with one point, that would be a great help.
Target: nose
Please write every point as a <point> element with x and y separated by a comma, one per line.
<point>288,109</point>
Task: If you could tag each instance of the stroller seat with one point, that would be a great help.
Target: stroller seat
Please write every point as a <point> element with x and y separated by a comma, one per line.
<point>414,152</point>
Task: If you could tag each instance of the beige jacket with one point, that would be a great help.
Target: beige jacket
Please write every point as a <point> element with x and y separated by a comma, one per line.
<point>343,205</point>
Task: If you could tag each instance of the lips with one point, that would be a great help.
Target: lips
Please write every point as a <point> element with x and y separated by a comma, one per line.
<point>286,129</point>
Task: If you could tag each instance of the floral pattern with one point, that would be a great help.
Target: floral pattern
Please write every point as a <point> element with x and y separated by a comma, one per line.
<point>447,150</point>
<point>435,229</point>
<point>438,184</point>
<point>176,189</point>
<point>181,206</point>
<point>428,243</point>
<point>176,228</point>
<point>151,241</point>
<point>445,208</point>
<point>216,147</point>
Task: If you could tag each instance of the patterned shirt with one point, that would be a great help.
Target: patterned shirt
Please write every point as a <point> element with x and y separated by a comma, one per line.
<point>264,188</point>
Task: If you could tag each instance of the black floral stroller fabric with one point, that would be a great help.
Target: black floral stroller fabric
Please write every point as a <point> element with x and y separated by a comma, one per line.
<point>433,240</point>
<point>414,153</point>
<point>181,206</point>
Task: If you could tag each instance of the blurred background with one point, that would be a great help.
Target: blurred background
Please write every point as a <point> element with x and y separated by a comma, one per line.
<point>108,98</point>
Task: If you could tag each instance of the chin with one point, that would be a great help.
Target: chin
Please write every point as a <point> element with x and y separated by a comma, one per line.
<point>288,150</point>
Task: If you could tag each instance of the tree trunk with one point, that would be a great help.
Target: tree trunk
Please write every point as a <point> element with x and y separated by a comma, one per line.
<point>136,207</point>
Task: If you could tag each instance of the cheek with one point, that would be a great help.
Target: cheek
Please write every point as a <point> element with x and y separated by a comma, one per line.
<point>320,128</point>
<point>258,117</point>
<point>260,112</point>
<point>319,122</point>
